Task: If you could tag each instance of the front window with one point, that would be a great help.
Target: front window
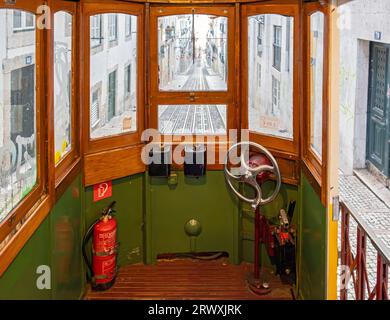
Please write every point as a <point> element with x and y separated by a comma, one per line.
<point>113,99</point>
<point>270,93</point>
<point>18,132</point>
<point>192,53</point>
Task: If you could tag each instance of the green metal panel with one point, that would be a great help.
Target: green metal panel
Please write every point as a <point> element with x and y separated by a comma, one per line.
<point>66,225</point>
<point>128,194</point>
<point>56,244</point>
<point>19,281</point>
<point>312,244</point>
<point>378,107</point>
<point>205,199</point>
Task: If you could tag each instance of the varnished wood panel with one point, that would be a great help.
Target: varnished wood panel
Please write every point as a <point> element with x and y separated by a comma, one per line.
<point>113,164</point>
<point>186,280</point>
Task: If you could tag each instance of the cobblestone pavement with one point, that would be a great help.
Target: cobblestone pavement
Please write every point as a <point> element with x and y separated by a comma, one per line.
<point>368,209</point>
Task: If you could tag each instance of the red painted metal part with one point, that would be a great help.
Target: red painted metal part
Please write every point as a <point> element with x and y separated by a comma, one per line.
<point>355,266</point>
<point>256,270</point>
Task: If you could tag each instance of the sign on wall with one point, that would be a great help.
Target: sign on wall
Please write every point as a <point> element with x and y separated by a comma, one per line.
<point>102,191</point>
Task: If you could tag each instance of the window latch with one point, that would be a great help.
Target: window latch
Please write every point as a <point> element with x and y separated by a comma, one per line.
<point>192,96</point>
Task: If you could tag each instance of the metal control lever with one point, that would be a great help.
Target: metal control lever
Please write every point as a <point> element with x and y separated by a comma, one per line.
<point>247,174</point>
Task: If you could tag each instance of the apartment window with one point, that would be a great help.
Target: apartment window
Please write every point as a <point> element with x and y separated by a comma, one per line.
<point>112,27</point>
<point>111,95</point>
<point>277,47</point>
<point>275,95</point>
<point>128,80</point>
<point>95,108</point>
<point>260,30</point>
<point>288,44</point>
<point>62,86</point>
<point>68,25</point>
<point>96,30</point>
<point>23,21</point>
<point>128,26</point>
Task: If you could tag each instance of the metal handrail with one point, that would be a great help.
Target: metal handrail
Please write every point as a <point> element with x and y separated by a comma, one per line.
<point>382,249</point>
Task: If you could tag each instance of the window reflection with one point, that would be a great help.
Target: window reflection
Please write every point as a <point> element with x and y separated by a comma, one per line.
<point>113,73</point>
<point>192,53</point>
<point>62,83</point>
<point>270,75</point>
<point>316,80</point>
<point>18,167</point>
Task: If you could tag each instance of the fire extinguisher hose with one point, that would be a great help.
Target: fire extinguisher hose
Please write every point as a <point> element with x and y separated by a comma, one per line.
<point>86,238</point>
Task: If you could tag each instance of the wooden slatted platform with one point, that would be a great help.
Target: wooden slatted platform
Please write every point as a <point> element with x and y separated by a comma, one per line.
<point>188,279</point>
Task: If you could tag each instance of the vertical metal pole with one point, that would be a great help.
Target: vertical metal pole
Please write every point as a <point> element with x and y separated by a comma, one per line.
<point>256,272</point>
<point>379,279</point>
<point>344,226</point>
<point>361,263</point>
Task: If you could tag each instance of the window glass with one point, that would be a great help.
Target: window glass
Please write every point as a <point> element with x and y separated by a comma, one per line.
<point>192,119</point>
<point>316,80</point>
<point>192,51</point>
<point>270,76</point>
<point>62,84</point>
<point>18,167</point>
<point>113,75</point>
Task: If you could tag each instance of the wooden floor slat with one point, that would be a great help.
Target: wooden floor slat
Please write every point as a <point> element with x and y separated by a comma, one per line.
<point>188,279</point>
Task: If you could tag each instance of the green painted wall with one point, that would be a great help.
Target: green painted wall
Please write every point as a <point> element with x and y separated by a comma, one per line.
<point>312,245</point>
<point>56,244</point>
<point>165,208</point>
<point>205,199</point>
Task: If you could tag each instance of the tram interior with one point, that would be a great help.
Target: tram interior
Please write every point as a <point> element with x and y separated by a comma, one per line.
<point>208,131</point>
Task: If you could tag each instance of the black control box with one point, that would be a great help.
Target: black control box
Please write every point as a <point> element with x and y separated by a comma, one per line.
<point>161,161</point>
<point>195,160</point>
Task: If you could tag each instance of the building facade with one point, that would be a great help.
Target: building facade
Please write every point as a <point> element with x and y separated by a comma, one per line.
<point>365,89</point>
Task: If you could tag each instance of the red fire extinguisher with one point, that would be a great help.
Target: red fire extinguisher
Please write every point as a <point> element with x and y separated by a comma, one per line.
<point>104,250</point>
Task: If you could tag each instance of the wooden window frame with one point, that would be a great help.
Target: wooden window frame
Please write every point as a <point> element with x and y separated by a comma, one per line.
<point>228,97</point>
<point>314,167</point>
<point>102,154</point>
<point>69,165</point>
<point>287,148</point>
<point>32,209</point>
<point>286,151</point>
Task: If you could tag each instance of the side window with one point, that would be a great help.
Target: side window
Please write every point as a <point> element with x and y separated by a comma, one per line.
<point>62,84</point>
<point>270,89</point>
<point>113,105</point>
<point>316,80</point>
<point>18,127</point>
